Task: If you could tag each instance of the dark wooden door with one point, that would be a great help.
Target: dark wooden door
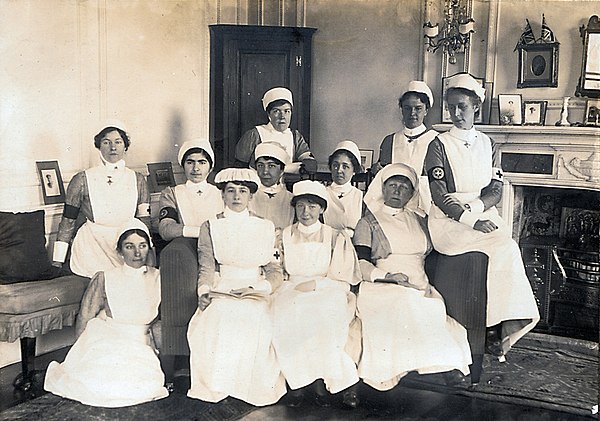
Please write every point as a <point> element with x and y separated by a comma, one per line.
<point>246,61</point>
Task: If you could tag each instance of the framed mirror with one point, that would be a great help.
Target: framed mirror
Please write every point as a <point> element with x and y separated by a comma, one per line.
<point>589,81</point>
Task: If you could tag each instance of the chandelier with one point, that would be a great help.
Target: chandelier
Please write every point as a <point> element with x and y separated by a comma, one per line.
<point>455,33</point>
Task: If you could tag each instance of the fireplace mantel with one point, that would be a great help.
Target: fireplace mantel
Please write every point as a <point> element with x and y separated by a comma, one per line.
<point>552,156</point>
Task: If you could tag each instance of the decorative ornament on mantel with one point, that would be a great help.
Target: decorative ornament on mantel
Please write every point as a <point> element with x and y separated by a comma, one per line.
<point>455,34</point>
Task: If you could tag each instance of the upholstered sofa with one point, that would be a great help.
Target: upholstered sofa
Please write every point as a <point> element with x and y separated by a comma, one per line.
<point>35,297</point>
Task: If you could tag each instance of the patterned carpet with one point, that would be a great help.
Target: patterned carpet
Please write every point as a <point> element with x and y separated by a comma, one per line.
<point>542,371</point>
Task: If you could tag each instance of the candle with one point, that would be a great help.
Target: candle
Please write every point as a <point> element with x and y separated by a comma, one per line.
<point>431,31</point>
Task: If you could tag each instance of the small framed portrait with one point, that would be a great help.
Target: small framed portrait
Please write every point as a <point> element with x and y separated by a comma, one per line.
<point>534,113</point>
<point>592,112</point>
<point>538,65</point>
<point>160,175</point>
<point>366,159</point>
<point>509,110</point>
<point>480,117</point>
<point>51,181</point>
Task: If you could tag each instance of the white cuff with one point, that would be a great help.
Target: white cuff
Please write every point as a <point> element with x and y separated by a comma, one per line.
<point>377,274</point>
<point>143,210</point>
<point>292,168</point>
<point>469,218</point>
<point>191,231</point>
<point>59,254</point>
<point>476,206</point>
<point>203,289</point>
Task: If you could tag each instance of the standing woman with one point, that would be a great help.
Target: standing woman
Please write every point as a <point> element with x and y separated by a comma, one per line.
<point>466,189</point>
<point>345,202</point>
<point>314,308</point>
<point>230,336</point>
<point>106,196</point>
<point>278,104</point>
<point>409,145</point>
<point>113,363</point>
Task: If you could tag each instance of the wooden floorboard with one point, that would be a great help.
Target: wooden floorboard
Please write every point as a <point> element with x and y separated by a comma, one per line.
<point>401,403</point>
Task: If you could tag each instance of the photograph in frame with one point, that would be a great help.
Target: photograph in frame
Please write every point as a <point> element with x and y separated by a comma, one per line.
<point>510,110</point>
<point>538,65</point>
<point>480,117</point>
<point>366,158</point>
<point>160,175</point>
<point>53,189</point>
<point>534,113</point>
<point>592,113</point>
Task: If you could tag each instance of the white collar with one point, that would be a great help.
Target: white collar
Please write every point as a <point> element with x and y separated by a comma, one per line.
<point>342,188</point>
<point>272,129</point>
<point>311,229</point>
<point>467,137</point>
<point>274,189</point>
<point>388,210</point>
<point>113,167</point>
<point>417,131</point>
<point>197,187</point>
<point>131,270</point>
<point>230,214</point>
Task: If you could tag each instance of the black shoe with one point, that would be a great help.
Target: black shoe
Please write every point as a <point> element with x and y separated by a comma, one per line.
<point>294,398</point>
<point>350,399</point>
<point>321,394</point>
<point>493,343</point>
<point>454,378</point>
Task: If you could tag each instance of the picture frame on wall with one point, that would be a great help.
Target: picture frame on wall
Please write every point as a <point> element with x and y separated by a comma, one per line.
<point>160,175</point>
<point>510,110</point>
<point>366,158</point>
<point>538,65</point>
<point>53,189</point>
<point>592,113</point>
<point>483,116</point>
<point>534,113</point>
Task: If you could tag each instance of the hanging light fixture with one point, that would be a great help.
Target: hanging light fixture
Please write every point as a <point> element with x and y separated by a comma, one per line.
<point>455,33</point>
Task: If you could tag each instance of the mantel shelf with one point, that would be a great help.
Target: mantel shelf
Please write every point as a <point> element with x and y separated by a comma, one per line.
<point>545,130</point>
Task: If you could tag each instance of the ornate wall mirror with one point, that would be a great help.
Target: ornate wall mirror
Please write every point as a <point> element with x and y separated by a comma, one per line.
<point>589,81</point>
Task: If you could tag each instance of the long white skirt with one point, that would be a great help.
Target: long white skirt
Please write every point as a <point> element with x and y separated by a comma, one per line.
<point>110,365</point>
<point>405,330</point>
<point>509,292</point>
<point>311,334</point>
<point>231,353</point>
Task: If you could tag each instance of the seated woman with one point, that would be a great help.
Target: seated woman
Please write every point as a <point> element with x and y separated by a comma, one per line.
<point>112,363</point>
<point>278,104</point>
<point>314,308</point>
<point>466,188</point>
<point>185,207</point>
<point>404,323</point>
<point>106,196</point>
<point>345,204</point>
<point>272,200</point>
<point>231,352</point>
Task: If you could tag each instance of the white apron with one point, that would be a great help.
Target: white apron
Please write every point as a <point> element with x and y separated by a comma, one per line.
<point>344,213</point>
<point>112,363</point>
<point>268,133</point>
<point>509,293</point>
<point>113,204</point>
<point>194,209</point>
<point>405,329</point>
<point>230,341</point>
<point>312,328</point>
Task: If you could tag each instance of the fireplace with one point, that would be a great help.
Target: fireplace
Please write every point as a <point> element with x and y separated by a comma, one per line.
<point>551,198</point>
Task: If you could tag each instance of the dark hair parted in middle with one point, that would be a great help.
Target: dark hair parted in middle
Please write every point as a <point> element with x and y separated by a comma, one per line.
<point>196,150</point>
<point>276,103</point>
<point>422,97</point>
<point>252,186</point>
<point>129,232</point>
<point>355,164</point>
<point>311,198</point>
<point>98,138</point>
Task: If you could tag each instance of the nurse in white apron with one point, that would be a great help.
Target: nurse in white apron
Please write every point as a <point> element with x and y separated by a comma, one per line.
<point>314,308</point>
<point>466,189</point>
<point>278,103</point>
<point>345,202</point>
<point>404,322</point>
<point>106,196</point>
<point>230,335</point>
<point>409,145</point>
<point>185,207</point>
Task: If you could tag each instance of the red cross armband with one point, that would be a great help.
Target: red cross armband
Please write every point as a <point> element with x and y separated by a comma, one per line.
<point>436,174</point>
<point>497,174</point>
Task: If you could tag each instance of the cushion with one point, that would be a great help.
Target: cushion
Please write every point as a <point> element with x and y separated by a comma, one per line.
<point>29,297</point>
<point>23,254</point>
